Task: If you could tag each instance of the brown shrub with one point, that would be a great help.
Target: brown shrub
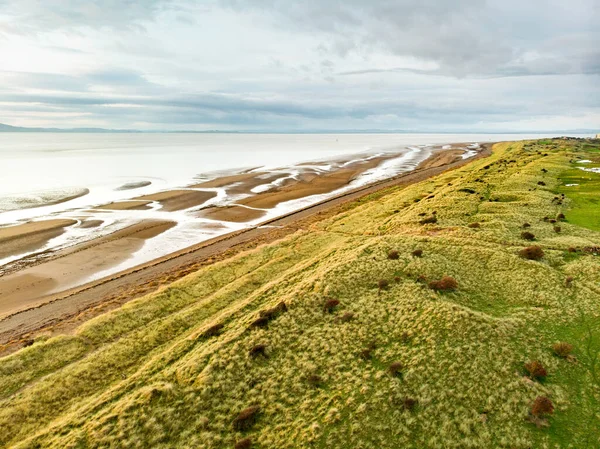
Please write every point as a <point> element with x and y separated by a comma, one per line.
<point>409,403</point>
<point>397,278</point>
<point>417,253</point>
<point>257,350</point>
<point>474,225</point>
<point>246,418</point>
<point>269,314</point>
<point>348,316</point>
<point>532,253</point>
<point>526,235</point>
<point>562,349</point>
<point>213,331</point>
<point>246,443</point>
<point>262,321</point>
<point>446,284</point>
<point>315,380</point>
<point>429,220</point>
<point>330,305</point>
<point>383,284</point>
<point>393,255</point>
<point>560,216</point>
<point>28,342</point>
<point>366,354</point>
<point>542,406</point>
<point>557,229</point>
<point>526,225</point>
<point>572,249</point>
<point>422,278</point>
<point>274,312</point>
<point>395,369</point>
<point>569,281</point>
<point>536,370</point>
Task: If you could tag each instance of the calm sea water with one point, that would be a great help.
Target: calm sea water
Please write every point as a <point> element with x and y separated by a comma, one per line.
<point>40,161</point>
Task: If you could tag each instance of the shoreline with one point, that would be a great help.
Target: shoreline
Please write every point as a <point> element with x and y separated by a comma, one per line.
<point>67,309</point>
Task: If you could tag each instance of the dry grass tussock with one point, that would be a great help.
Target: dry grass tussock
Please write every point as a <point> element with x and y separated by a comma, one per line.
<point>297,344</point>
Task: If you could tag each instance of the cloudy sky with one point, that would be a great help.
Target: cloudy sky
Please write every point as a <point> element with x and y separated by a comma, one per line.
<point>428,65</point>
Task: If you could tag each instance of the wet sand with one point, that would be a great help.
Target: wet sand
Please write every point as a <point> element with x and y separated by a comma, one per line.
<point>174,200</point>
<point>308,183</point>
<point>243,183</point>
<point>235,214</point>
<point>29,287</point>
<point>20,239</point>
<point>442,158</point>
<point>90,224</point>
<point>126,205</point>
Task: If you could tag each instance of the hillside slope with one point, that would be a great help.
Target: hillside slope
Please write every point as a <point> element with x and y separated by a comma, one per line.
<point>395,364</point>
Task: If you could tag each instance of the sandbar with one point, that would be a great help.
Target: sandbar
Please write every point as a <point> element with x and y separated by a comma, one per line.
<point>174,200</point>
<point>28,237</point>
<point>27,287</point>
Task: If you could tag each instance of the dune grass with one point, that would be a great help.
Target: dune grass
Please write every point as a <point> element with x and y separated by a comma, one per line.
<point>369,351</point>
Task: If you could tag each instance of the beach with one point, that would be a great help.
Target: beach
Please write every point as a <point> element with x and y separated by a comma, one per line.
<point>55,292</point>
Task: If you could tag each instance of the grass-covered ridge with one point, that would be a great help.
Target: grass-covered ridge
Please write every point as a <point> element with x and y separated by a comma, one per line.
<point>365,353</point>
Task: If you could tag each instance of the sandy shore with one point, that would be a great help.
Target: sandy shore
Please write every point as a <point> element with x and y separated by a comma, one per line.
<point>125,205</point>
<point>30,286</point>
<point>235,214</point>
<point>173,200</point>
<point>61,311</point>
<point>308,183</point>
<point>20,239</point>
<point>170,200</point>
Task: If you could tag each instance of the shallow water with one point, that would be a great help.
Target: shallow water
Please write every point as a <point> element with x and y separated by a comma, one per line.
<point>37,168</point>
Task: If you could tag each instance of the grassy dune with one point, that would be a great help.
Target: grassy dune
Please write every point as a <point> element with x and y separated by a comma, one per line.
<point>394,364</point>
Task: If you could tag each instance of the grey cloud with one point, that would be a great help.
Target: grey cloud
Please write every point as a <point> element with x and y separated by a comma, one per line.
<point>464,37</point>
<point>487,62</point>
<point>34,16</point>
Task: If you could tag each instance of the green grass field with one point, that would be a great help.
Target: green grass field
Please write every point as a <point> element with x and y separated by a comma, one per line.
<point>150,375</point>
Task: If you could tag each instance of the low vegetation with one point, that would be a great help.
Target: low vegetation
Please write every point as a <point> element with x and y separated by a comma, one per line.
<point>299,344</point>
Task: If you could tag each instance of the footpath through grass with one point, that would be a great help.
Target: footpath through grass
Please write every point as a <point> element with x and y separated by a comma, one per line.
<point>409,320</point>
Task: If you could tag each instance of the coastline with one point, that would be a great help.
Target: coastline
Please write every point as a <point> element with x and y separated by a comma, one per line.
<point>61,311</point>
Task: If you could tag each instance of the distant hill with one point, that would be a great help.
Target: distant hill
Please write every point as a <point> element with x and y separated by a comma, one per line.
<point>19,129</point>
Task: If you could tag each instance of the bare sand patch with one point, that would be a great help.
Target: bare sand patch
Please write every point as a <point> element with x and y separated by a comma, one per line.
<point>312,183</point>
<point>133,185</point>
<point>243,183</point>
<point>31,236</point>
<point>441,158</point>
<point>308,183</point>
<point>173,200</point>
<point>227,180</point>
<point>236,214</point>
<point>125,205</point>
<point>88,224</point>
<point>28,287</point>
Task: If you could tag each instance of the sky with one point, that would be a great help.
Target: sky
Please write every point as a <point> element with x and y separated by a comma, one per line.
<point>284,65</point>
